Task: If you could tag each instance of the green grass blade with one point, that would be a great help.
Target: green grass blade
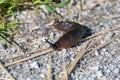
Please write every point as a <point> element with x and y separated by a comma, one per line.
<point>1,1</point>
<point>50,9</point>
<point>5,39</point>
<point>61,5</point>
<point>43,2</point>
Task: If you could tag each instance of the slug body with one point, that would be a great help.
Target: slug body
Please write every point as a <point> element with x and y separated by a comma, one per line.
<point>74,32</point>
<point>65,26</point>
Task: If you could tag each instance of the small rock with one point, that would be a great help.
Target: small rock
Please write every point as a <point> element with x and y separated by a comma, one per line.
<point>28,78</point>
<point>72,57</point>
<point>96,53</point>
<point>95,68</point>
<point>64,51</point>
<point>104,49</point>
<point>108,71</point>
<point>42,75</point>
<point>43,39</point>
<point>35,65</point>
<point>103,78</point>
<point>116,70</point>
<point>43,15</point>
<point>99,74</point>
<point>2,47</point>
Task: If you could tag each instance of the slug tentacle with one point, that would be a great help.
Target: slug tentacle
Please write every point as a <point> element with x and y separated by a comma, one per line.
<point>54,46</point>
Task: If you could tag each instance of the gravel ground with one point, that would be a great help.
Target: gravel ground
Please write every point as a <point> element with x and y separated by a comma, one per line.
<point>104,64</point>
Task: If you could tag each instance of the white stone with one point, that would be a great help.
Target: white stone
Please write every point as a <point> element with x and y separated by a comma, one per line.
<point>94,68</point>
<point>34,65</point>
<point>96,53</point>
<point>42,75</point>
<point>28,78</point>
<point>104,49</point>
<point>64,51</point>
<point>103,78</point>
<point>99,74</point>
<point>116,70</point>
<point>108,71</point>
<point>43,39</point>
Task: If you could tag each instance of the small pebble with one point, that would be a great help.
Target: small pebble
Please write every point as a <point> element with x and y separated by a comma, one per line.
<point>42,75</point>
<point>35,65</point>
<point>116,71</point>
<point>96,53</point>
<point>99,74</point>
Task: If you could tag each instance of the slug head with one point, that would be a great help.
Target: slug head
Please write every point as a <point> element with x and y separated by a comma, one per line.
<point>54,46</point>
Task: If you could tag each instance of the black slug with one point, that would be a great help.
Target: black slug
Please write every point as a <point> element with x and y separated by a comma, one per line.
<point>74,32</point>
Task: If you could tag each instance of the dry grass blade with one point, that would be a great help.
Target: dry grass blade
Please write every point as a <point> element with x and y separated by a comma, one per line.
<point>31,57</point>
<point>102,33</point>
<point>65,76</point>
<point>7,73</point>
<point>92,43</point>
<point>22,51</point>
<point>101,45</point>
<point>49,73</point>
<point>92,5</point>
<point>111,17</point>
<point>72,65</point>
<point>22,54</point>
<point>8,57</point>
<point>78,57</point>
<point>49,77</point>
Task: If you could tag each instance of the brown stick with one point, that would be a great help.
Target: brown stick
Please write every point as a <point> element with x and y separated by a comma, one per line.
<point>92,5</point>
<point>78,57</point>
<point>49,74</point>
<point>83,51</point>
<point>33,56</point>
<point>101,46</point>
<point>7,73</point>
<point>101,33</point>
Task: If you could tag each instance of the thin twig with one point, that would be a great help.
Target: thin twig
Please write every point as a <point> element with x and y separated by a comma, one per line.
<point>101,45</point>
<point>49,77</point>
<point>5,38</point>
<point>83,51</point>
<point>91,44</point>
<point>19,55</point>
<point>65,76</point>
<point>78,57</point>
<point>7,73</point>
<point>111,17</point>
<point>31,57</point>
<point>93,5</point>
<point>20,47</point>
<point>101,33</point>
